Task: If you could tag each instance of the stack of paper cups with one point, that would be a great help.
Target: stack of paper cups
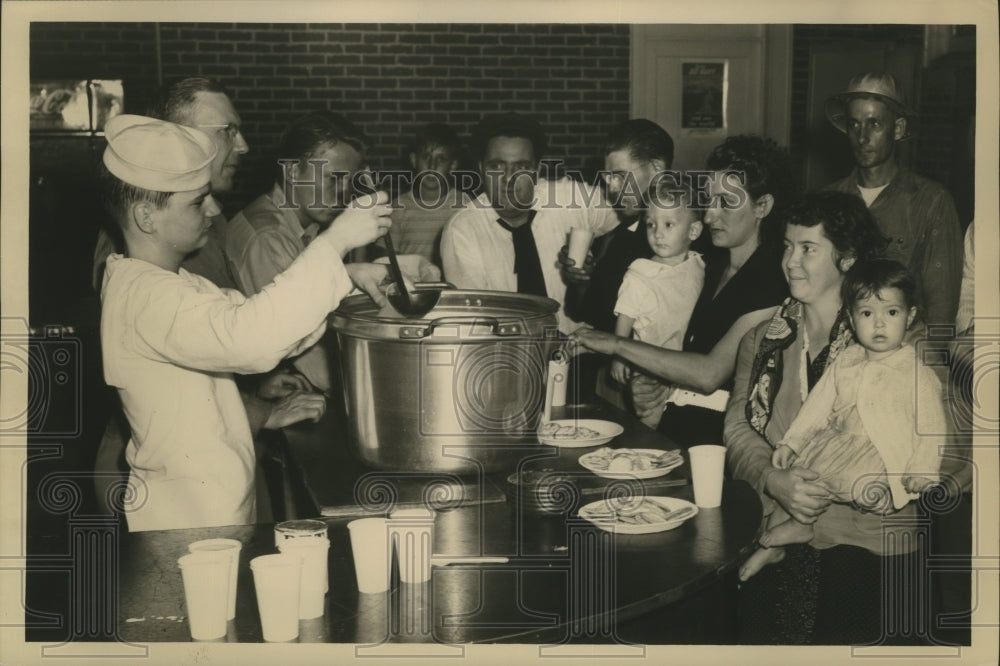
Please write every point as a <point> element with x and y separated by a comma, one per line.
<point>298,529</point>
<point>307,530</point>
<point>555,388</point>
<point>313,553</point>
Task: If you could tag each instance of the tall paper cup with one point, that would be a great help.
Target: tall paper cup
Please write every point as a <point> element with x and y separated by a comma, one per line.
<point>231,547</point>
<point>206,592</point>
<point>579,244</point>
<point>314,572</point>
<point>370,546</point>
<point>411,532</point>
<point>707,464</point>
<point>276,579</point>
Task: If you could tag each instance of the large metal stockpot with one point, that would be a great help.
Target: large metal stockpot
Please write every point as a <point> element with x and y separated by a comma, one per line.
<point>459,390</point>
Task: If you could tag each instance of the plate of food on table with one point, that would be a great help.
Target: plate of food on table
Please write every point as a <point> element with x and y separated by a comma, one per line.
<point>631,463</point>
<point>638,514</point>
<point>578,433</point>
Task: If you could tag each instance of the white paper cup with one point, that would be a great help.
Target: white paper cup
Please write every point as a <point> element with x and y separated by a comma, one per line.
<point>314,573</point>
<point>370,545</point>
<point>206,592</point>
<point>276,579</point>
<point>230,547</point>
<point>707,464</point>
<point>579,244</point>
<point>411,532</point>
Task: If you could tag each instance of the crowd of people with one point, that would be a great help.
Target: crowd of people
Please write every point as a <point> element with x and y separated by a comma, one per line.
<point>722,306</point>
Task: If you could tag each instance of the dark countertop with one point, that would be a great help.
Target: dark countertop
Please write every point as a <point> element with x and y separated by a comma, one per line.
<point>338,484</point>
<point>566,580</point>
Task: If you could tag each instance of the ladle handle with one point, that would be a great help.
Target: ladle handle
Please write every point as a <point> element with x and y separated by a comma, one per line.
<point>397,274</point>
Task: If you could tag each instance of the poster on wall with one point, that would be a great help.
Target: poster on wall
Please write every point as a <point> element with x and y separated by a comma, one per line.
<point>703,102</point>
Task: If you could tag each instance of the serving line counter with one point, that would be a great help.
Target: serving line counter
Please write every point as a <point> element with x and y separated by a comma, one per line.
<point>565,581</point>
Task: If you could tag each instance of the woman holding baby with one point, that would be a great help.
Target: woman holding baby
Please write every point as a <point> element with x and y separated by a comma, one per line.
<point>863,540</point>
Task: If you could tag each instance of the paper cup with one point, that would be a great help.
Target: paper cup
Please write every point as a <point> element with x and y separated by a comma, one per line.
<point>206,592</point>
<point>312,582</point>
<point>232,548</point>
<point>411,532</point>
<point>276,579</point>
<point>370,546</point>
<point>579,244</point>
<point>707,465</point>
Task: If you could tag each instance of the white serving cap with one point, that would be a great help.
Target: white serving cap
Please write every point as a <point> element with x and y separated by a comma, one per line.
<point>157,155</point>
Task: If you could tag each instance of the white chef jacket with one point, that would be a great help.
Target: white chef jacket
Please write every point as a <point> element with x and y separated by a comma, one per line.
<point>170,343</point>
<point>478,253</point>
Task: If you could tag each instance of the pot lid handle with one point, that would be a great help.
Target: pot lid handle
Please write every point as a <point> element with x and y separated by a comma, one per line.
<point>501,329</point>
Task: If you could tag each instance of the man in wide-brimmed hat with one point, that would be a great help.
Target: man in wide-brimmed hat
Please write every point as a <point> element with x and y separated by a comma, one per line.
<point>916,214</point>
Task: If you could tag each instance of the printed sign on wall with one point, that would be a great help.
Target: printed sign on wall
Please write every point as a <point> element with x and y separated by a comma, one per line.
<point>703,104</point>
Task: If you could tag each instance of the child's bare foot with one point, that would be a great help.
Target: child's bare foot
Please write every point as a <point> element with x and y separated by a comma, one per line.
<point>759,559</point>
<point>782,534</point>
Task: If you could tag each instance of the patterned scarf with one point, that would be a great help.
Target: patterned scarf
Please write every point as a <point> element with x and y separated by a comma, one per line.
<point>766,373</point>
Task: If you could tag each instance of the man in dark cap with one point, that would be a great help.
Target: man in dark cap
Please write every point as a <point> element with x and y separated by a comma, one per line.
<point>916,214</point>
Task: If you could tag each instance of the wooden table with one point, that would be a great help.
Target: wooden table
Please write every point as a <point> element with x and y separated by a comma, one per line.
<point>566,580</point>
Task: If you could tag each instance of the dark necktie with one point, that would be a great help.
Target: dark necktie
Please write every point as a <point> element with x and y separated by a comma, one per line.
<point>527,265</point>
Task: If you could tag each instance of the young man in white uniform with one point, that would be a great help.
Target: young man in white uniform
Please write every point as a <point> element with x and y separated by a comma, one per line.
<point>171,339</point>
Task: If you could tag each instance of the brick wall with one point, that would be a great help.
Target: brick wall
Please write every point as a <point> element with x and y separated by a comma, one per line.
<point>389,78</point>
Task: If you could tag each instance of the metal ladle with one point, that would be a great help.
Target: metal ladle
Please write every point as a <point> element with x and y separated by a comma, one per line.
<point>409,303</point>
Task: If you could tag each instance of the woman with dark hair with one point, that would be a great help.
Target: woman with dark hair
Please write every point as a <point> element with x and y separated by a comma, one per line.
<point>831,590</point>
<point>750,188</point>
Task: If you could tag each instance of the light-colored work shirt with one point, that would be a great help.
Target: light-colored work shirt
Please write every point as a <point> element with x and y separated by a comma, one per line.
<point>170,343</point>
<point>918,217</point>
<point>262,241</point>
<point>478,253</point>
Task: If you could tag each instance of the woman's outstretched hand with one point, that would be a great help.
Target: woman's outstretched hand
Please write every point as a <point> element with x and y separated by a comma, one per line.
<point>594,340</point>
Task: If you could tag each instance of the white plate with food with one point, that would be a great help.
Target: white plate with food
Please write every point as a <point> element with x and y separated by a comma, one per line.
<point>578,433</point>
<point>638,515</point>
<point>631,463</point>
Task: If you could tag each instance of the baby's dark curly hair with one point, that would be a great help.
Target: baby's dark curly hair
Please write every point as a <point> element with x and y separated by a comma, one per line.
<point>766,168</point>
<point>871,276</point>
<point>846,221</point>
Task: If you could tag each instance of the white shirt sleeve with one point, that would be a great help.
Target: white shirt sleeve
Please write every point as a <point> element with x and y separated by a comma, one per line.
<point>635,298</point>
<point>195,328</point>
